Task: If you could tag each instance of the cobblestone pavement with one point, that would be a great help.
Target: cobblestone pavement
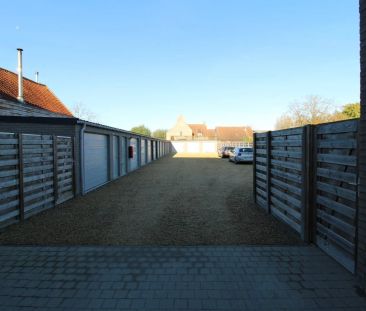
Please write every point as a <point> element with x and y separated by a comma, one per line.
<point>174,278</point>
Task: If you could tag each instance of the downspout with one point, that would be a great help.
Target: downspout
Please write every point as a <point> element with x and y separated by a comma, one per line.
<point>82,166</point>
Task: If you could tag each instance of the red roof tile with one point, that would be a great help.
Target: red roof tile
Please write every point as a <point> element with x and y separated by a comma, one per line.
<point>34,93</point>
<point>211,133</point>
<point>233,133</point>
<point>198,129</point>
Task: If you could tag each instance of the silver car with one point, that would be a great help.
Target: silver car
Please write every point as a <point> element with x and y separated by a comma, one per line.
<point>224,152</point>
<point>241,154</point>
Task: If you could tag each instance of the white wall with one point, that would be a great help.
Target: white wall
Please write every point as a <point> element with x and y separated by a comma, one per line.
<point>195,146</point>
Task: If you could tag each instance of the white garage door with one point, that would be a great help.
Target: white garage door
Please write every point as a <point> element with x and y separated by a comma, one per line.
<point>193,147</point>
<point>149,151</point>
<point>143,151</point>
<point>209,146</point>
<point>115,156</point>
<point>134,160</point>
<point>95,160</point>
<point>124,156</point>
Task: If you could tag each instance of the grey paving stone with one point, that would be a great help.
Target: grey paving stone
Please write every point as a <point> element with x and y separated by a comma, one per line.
<point>174,278</point>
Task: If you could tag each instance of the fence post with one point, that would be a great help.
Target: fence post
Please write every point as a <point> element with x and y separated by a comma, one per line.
<point>309,185</point>
<point>254,167</point>
<point>55,177</point>
<point>305,167</point>
<point>358,258</point>
<point>312,185</point>
<point>21,176</point>
<point>269,172</point>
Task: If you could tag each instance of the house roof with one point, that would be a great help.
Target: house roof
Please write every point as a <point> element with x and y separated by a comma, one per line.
<point>35,94</point>
<point>202,128</point>
<point>198,129</point>
<point>237,133</point>
<point>211,133</point>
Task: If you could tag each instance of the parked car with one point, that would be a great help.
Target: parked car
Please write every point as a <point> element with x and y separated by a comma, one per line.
<point>224,152</point>
<point>241,154</point>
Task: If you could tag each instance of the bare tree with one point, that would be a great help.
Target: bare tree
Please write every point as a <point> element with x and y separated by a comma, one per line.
<point>284,122</point>
<point>84,113</point>
<point>313,110</point>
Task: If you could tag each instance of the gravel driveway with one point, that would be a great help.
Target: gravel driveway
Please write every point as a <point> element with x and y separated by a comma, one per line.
<point>172,201</point>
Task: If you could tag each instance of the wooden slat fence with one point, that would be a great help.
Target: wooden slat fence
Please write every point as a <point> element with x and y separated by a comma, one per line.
<point>335,184</point>
<point>65,168</point>
<point>261,170</point>
<point>36,173</point>
<point>9,177</point>
<point>287,158</point>
<point>307,178</point>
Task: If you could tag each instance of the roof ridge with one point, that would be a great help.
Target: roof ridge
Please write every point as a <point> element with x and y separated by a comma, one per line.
<point>14,73</point>
<point>35,94</point>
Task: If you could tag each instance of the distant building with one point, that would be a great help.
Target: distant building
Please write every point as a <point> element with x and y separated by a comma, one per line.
<point>201,132</point>
<point>229,135</point>
<point>180,131</point>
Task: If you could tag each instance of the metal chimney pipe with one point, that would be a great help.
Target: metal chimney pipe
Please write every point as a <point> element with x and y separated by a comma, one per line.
<point>20,76</point>
<point>37,75</point>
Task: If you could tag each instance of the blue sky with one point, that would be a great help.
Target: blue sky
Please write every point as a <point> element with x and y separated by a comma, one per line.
<point>219,62</point>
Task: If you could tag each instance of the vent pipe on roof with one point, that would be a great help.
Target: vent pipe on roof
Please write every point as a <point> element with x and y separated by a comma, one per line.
<point>20,76</point>
<point>37,76</point>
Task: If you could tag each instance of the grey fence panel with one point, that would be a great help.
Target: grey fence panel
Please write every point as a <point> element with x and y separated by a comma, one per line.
<point>36,173</point>
<point>286,177</point>
<point>65,169</point>
<point>308,178</point>
<point>261,170</point>
<point>336,190</point>
<point>9,178</point>
<point>38,152</point>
